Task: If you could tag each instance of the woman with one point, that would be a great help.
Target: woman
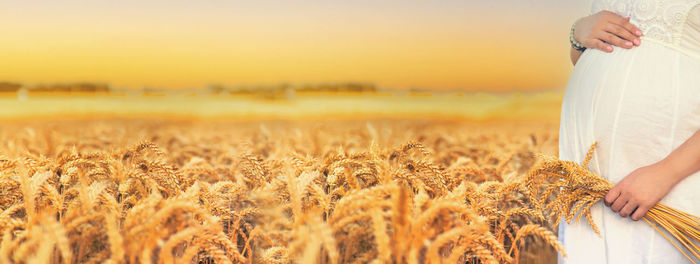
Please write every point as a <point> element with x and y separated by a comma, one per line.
<point>635,90</point>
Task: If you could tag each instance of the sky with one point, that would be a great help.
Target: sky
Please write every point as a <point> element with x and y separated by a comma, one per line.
<point>468,45</point>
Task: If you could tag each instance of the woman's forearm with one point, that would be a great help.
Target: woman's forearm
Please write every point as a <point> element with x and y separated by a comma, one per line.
<point>685,160</point>
<point>575,54</point>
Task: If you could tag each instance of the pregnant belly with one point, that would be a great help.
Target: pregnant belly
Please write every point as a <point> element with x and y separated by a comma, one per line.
<point>638,104</point>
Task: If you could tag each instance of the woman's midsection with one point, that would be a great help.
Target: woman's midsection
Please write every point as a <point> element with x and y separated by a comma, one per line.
<point>636,103</point>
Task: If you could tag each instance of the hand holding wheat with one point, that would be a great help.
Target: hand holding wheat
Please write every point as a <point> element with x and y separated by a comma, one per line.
<point>638,192</point>
<point>579,189</point>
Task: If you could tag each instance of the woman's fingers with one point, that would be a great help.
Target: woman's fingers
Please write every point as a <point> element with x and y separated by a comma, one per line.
<point>629,207</point>
<point>640,212</point>
<point>611,196</point>
<point>624,34</point>
<point>619,203</point>
<point>630,27</point>
<point>599,44</point>
<point>615,40</point>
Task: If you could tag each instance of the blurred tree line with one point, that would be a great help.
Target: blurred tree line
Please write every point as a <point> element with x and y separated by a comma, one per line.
<point>72,87</point>
<point>280,91</point>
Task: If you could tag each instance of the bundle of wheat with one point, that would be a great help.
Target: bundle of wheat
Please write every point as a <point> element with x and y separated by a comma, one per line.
<point>569,189</point>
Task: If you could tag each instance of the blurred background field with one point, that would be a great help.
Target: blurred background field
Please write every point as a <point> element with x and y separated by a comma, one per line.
<point>286,105</point>
<point>476,59</point>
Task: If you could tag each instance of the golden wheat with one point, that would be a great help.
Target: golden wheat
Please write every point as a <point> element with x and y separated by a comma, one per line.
<point>352,191</point>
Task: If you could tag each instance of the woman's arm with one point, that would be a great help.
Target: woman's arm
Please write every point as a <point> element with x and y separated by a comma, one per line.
<point>685,160</point>
<point>575,54</point>
<point>601,29</point>
<point>643,188</point>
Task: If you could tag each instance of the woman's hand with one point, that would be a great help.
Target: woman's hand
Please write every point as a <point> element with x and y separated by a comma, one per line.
<point>605,27</point>
<point>641,190</point>
<point>645,187</point>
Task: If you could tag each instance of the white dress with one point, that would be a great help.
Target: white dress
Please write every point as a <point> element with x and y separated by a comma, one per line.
<point>639,105</point>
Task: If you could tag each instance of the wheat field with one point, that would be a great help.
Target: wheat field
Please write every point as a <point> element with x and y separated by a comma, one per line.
<point>137,190</point>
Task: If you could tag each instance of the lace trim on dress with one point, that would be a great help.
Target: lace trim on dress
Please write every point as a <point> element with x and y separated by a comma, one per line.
<point>661,21</point>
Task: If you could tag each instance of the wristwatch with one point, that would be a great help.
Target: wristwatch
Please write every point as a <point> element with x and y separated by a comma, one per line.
<point>575,44</point>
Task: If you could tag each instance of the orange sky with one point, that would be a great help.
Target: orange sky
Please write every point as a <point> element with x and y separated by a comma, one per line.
<point>465,45</point>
